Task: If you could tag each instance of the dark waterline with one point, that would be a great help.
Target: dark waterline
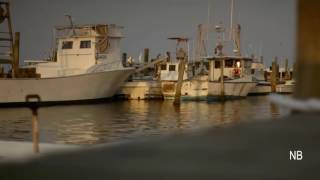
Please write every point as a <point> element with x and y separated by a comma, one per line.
<point>119,120</point>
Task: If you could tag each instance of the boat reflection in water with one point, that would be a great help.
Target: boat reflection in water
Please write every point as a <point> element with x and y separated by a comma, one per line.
<point>121,120</point>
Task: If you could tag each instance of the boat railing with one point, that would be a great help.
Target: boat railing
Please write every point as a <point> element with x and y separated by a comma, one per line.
<point>110,30</point>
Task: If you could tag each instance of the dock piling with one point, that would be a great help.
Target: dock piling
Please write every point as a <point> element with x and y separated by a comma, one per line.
<point>274,76</point>
<point>222,79</point>
<point>287,72</point>
<point>181,68</point>
<point>16,54</point>
<point>35,130</point>
<point>308,54</point>
<point>146,55</point>
<point>32,101</point>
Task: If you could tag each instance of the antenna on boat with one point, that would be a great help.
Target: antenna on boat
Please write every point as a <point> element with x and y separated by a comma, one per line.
<point>208,21</point>
<point>231,20</point>
<point>71,24</point>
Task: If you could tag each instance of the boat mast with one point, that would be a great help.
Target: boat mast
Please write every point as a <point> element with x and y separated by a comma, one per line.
<point>8,57</point>
<point>231,20</point>
<point>234,32</point>
<point>208,21</point>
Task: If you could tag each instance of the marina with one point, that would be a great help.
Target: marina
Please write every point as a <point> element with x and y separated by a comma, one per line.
<point>203,90</point>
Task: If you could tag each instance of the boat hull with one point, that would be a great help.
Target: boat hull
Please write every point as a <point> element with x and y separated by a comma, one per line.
<point>231,89</point>
<point>260,89</point>
<point>140,90</point>
<point>284,89</point>
<point>89,86</point>
<point>195,90</point>
<point>168,89</point>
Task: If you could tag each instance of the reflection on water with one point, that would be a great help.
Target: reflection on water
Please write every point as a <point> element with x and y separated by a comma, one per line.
<point>113,121</point>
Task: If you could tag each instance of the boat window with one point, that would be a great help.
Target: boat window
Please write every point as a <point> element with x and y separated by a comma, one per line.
<point>163,67</point>
<point>217,64</point>
<point>172,67</point>
<point>85,44</point>
<point>229,63</point>
<point>67,44</point>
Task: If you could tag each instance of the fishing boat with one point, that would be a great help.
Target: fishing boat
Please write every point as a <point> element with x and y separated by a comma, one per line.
<point>287,82</point>
<point>229,77</point>
<point>85,65</point>
<point>263,87</point>
<point>169,70</point>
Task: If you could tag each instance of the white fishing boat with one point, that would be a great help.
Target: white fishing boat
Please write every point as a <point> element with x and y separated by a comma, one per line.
<point>169,76</point>
<point>288,83</point>
<point>86,65</point>
<point>169,70</point>
<point>230,77</point>
<point>263,87</point>
<point>286,88</point>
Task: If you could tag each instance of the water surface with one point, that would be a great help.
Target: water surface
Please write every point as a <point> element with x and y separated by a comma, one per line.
<point>120,120</point>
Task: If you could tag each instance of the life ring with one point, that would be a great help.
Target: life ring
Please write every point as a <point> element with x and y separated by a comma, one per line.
<point>236,72</point>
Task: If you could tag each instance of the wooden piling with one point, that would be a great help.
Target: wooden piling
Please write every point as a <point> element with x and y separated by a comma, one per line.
<point>32,101</point>
<point>286,66</point>
<point>222,79</point>
<point>16,54</point>
<point>35,130</point>
<point>146,55</point>
<point>274,76</point>
<point>211,70</point>
<point>182,64</point>
<point>308,54</point>
<point>124,59</point>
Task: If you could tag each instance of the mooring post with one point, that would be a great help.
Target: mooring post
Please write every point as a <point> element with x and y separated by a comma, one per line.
<point>274,76</point>
<point>211,70</point>
<point>308,54</point>
<point>222,78</point>
<point>146,55</point>
<point>16,54</point>
<point>124,59</point>
<point>33,105</point>
<point>35,130</point>
<point>286,66</point>
<point>181,68</point>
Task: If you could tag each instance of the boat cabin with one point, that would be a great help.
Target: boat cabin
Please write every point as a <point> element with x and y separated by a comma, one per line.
<point>80,48</point>
<point>169,71</point>
<point>231,67</point>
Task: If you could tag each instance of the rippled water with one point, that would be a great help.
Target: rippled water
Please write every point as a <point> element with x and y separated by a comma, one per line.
<point>115,121</point>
